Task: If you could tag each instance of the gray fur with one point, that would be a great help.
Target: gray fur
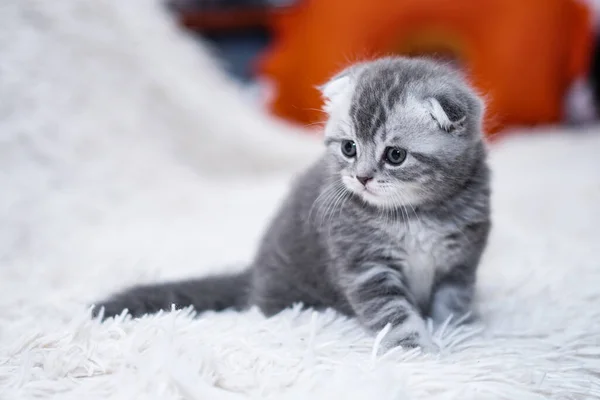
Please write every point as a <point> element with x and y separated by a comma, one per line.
<point>407,250</point>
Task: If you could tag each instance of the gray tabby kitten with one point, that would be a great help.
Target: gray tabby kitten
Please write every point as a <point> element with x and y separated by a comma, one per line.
<point>388,226</point>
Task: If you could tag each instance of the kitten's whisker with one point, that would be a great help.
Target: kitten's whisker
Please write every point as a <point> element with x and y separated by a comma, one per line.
<point>324,196</point>
<point>407,203</point>
<point>337,200</point>
<point>402,211</point>
<point>315,109</point>
<point>322,123</point>
<point>318,200</point>
<point>417,217</point>
<point>324,218</point>
<point>346,195</point>
<point>329,203</point>
<point>325,208</point>
<point>399,201</point>
<point>390,215</point>
<point>387,213</point>
<point>395,216</point>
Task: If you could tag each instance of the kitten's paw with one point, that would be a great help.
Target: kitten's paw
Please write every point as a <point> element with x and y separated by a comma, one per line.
<point>424,342</point>
<point>410,336</point>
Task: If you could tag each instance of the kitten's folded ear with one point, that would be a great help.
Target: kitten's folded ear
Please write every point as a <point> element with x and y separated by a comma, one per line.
<point>335,88</point>
<point>453,110</point>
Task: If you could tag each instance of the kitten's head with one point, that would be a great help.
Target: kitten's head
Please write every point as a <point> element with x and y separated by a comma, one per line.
<point>402,131</point>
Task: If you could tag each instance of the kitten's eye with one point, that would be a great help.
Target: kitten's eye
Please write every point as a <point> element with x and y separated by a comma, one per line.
<point>395,155</point>
<point>348,148</point>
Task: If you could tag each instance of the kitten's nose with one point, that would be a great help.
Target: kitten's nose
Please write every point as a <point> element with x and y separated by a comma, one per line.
<point>364,179</point>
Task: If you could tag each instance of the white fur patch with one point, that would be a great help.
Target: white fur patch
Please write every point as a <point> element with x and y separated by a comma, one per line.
<point>422,264</point>
<point>335,88</point>
<point>339,123</point>
<point>438,113</point>
<point>338,100</point>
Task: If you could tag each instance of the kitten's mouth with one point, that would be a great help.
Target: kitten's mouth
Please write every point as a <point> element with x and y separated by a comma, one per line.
<point>367,193</point>
<point>367,190</point>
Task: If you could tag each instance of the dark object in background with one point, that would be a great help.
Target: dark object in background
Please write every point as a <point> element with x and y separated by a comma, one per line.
<point>219,15</point>
<point>594,77</point>
<point>238,49</point>
<point>237,30</point>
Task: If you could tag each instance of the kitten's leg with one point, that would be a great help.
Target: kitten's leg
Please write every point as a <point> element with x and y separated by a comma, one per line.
<point>452,296</point>
<point>379,296</point>
<point>453,291</point>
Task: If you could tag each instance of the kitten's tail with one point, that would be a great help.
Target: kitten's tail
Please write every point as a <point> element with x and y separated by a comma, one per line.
<point>210,293</point>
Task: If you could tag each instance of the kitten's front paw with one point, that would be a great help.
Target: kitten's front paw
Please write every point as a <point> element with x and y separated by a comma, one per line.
<point>410,336</point>
<point>424,342</point>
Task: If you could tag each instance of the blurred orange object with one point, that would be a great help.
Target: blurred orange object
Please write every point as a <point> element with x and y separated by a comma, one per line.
<point>521,55</point>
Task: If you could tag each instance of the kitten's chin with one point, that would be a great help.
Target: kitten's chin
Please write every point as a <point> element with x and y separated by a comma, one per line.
<point>373,199</point>
<point>369,196</point>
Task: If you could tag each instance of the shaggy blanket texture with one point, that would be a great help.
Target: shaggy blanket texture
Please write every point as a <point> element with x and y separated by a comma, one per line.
<point>126,157</point>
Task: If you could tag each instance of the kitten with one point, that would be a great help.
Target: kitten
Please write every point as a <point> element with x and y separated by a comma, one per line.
<point>388,226</point>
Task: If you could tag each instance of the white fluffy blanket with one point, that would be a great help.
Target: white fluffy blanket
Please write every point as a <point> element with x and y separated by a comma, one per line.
<point>125,156</point>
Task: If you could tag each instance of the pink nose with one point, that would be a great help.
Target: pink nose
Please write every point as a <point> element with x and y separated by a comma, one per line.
<point>364,179</point>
